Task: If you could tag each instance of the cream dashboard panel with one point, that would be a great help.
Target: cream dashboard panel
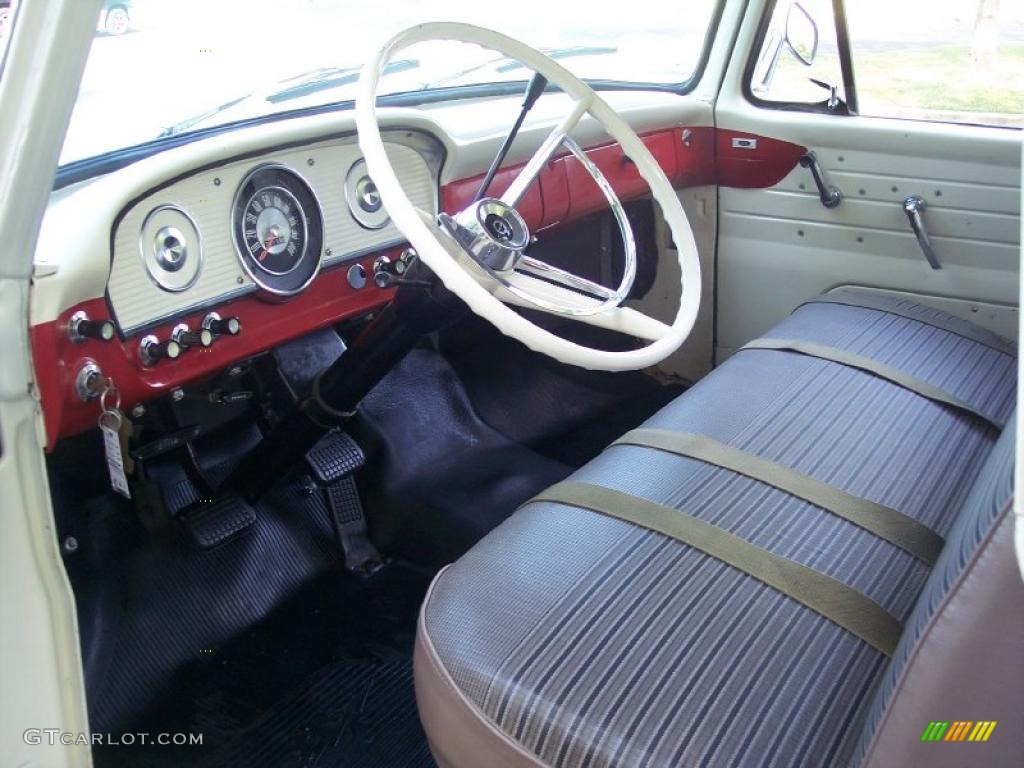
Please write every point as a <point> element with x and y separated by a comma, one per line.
<point>207,198</point>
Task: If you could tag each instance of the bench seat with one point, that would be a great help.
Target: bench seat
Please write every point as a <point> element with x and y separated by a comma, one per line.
<point>571,638</point>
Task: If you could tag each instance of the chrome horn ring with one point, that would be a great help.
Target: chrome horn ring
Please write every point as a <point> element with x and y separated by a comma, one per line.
<point>493,233</point>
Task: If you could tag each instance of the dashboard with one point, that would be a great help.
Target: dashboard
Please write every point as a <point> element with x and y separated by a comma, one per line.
<point>186,264</point>
<point>263,224</point>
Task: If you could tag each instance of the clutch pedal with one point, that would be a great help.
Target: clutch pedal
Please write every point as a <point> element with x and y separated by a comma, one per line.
<point>211,522</point>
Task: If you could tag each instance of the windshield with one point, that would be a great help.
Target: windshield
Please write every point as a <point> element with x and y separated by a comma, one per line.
<point>166,67</point>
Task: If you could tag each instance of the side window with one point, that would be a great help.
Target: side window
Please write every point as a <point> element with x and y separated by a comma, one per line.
<point>799,59</point>
<point>963,63</point>
<point>7,8</point>
<point>956,61</point>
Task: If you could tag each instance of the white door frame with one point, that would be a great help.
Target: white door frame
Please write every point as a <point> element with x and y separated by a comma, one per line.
<point>41,683</point>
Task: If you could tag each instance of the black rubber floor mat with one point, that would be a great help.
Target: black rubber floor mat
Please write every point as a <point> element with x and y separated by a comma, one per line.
<point>563,412</point>
<point>146,609</point>
<point>358,714</point>
<point>437,478</point>
<point>324,682</point>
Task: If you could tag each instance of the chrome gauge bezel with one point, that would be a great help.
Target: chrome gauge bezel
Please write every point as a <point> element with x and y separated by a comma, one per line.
<point>367,219</point>
<point>306,267</point>
<point>173,279</point>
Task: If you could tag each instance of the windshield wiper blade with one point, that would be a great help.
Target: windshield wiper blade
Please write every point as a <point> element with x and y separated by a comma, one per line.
<point>562,53</point>
<point>510,64</point>
<point>325,80</point>
<point>310,82</point>
<point>184,125</point>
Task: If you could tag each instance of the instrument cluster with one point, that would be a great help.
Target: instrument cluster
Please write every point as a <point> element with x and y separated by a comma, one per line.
<point>266,225</point>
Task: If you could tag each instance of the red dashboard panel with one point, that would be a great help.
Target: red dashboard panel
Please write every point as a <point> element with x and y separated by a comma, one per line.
<point>459,194</point>
<point>619,170</point>
<point>329,299</point>
<point>564,191</point>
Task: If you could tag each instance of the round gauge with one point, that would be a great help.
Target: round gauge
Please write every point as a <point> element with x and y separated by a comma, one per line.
<point>363,199</point>
<point>171,248</point>
<point>278,229</point>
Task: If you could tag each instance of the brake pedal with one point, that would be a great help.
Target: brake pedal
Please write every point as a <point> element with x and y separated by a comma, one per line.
<point>334,461</point>
<point>211,522</point>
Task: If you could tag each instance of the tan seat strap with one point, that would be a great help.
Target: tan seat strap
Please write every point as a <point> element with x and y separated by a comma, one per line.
<point>829,597</point>
<point>954,325</point>
<point>875,368</point>
<point>893,526</point>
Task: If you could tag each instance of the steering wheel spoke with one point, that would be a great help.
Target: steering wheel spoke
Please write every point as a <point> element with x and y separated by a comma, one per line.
<point>545,271</point>
<point>555,139</point>
<point>622,319</point>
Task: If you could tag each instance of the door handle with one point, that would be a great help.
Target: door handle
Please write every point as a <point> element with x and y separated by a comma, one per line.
<point>914,206</point>
<point>830,196</point>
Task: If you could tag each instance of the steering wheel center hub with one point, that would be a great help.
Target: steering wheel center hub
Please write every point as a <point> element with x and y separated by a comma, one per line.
<point>491,232</point>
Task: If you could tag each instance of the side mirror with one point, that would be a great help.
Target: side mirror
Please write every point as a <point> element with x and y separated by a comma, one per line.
<point>801,34</point>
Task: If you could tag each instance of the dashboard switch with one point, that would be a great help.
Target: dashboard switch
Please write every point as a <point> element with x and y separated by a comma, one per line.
<point>186,338</point>
<point>80,328</point>
<point>152,350</point>
<point>386,270</point>
<point>228,326</point>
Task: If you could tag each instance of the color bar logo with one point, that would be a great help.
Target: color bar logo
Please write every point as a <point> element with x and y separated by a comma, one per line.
<point>958,730</point>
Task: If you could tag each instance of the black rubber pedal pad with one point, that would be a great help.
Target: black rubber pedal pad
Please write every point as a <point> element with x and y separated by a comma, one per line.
<point>335,457</point>
<point>210,523</point>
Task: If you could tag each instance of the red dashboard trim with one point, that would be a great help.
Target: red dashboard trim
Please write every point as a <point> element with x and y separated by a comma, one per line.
<point>763,166</point>
<point>563,192</point>
<point>328,300</point>
<point>459,194</point>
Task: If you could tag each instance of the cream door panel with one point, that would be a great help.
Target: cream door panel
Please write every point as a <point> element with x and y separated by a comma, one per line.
<point>779,246</point>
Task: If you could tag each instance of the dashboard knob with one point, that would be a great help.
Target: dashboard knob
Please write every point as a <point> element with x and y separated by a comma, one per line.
<point>80,328</point>
<point>152,350</point>
<point>386,269</point>
<point>408,257</point>
<point>186,338</point>
<point>229,326</point>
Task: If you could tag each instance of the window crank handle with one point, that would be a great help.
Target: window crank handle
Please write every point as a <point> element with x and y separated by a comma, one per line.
<point>830,196</point>
<point>914,206</point>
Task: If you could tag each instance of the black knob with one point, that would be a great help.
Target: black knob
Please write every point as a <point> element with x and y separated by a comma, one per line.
<point>153,350</point>
<point>394,267</point>
<point>80,328</point>
<point>200,338</point>
<point>230,326</point>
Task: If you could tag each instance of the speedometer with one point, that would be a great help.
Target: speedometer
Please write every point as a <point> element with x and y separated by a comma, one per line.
<point>278,229</point>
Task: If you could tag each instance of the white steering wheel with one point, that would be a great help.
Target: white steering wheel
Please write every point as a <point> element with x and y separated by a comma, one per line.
<point>479,253</point>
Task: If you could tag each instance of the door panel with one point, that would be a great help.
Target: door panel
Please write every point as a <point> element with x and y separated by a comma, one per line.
<point>779,245</point>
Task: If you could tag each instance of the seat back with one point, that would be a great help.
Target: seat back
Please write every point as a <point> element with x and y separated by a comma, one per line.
<point>959,660</point>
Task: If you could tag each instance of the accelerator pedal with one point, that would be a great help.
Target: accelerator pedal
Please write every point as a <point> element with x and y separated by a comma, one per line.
<point>211,522</point>
<point>334,461</point>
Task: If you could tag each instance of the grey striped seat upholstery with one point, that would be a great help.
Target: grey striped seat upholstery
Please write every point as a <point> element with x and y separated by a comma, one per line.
<point>568,638</point>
